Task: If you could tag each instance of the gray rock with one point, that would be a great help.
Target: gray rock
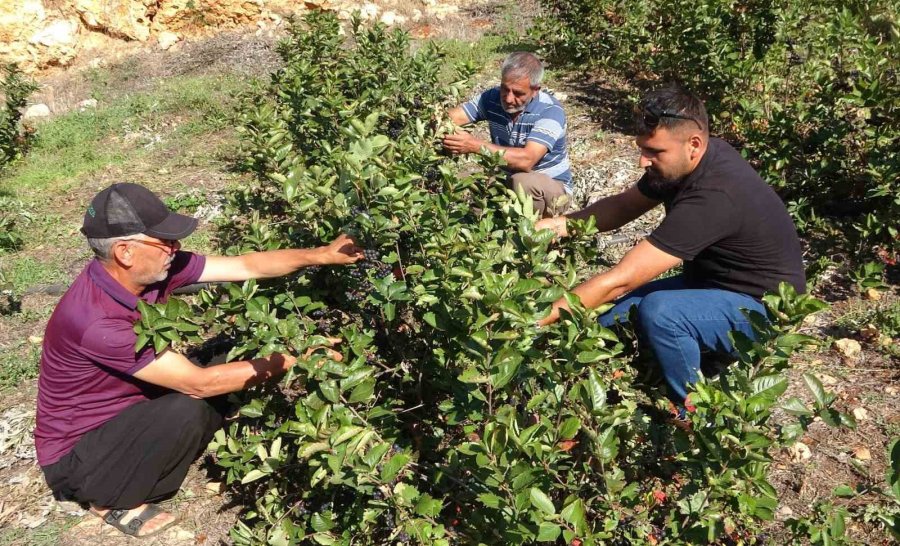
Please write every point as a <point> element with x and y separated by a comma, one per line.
<point>36,111</point>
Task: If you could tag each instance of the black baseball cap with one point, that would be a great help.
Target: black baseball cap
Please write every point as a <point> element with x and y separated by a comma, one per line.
<point>128,209</point>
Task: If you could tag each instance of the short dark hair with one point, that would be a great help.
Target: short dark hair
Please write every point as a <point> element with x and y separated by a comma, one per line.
<point>674,107</point>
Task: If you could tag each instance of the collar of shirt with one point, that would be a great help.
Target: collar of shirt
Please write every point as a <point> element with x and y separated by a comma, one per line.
<point>533,103</point>
<point>111,286</point>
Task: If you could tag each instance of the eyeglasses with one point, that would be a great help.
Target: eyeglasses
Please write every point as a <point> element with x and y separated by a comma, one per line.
<point>170,246</point>
<point>651,114</point>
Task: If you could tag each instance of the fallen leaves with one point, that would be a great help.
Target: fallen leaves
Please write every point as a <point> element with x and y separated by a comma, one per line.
<point>862,453</point>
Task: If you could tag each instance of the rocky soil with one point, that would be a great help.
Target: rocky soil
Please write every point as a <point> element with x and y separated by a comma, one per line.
<point>38,34</point>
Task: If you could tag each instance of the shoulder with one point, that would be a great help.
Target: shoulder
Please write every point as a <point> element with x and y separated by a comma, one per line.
<point>548,107</point>
<point>491,95</point>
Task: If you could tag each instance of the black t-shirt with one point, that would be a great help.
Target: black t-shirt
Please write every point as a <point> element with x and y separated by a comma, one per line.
<point>730,228</point>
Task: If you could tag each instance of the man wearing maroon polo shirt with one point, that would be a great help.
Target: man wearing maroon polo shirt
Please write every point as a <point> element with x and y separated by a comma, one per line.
<point>118,429</point>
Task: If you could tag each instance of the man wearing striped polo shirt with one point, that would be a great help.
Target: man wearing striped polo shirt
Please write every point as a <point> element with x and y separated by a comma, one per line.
<point>528,126</point>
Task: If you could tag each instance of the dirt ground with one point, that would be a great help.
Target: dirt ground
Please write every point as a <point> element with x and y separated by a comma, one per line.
<point>605,162</point>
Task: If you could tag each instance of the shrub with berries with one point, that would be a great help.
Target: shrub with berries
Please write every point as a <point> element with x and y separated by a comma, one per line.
<point>452,418</point>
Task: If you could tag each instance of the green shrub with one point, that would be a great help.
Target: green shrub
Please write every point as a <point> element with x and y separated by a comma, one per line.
<point>452,418</point>
<point>12,212</point>
<point>15,88</point>
<point>810,92</point>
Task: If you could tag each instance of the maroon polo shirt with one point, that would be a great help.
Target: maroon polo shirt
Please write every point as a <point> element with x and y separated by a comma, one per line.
<point>89,359</point>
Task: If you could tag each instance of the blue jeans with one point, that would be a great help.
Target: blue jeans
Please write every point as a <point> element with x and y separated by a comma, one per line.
<point>679,322</point>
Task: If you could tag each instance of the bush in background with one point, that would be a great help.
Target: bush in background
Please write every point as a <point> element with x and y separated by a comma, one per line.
<point>16,89</point>
<point>809,91</point>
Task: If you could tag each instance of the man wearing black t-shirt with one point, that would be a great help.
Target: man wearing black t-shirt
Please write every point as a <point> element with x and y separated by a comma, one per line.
<point>727,226</point>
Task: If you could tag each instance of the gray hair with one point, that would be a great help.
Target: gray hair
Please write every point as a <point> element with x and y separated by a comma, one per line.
<point>523,64</point>
<point>103,247</point>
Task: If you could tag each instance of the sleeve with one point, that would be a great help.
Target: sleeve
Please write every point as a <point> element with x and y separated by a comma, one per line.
<point>476,108</point>
<point>549,128</point>
<point>111,344</point>
<point>186,269</point>
<point>694,223</point>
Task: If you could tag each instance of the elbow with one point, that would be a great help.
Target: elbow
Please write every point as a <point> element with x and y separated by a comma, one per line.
<point>203,385</point>
<point>525,165</point>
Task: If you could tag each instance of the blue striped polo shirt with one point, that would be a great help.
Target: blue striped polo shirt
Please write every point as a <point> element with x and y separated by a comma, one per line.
<point>543,121</point>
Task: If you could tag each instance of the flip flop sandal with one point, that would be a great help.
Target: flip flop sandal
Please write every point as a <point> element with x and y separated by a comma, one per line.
<point>133,527</point>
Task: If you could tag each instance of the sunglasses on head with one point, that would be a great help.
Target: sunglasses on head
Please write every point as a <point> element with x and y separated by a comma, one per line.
<point>651,114</point>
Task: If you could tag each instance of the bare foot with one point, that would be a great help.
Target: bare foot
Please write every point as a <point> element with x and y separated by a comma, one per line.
<point>161,520</point>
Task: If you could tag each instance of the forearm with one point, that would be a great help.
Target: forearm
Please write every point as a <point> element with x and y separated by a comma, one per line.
<point>606,214</point>
<point>518,159</point>
<point>594,292</point>
<point>275,263</point>
<point>236,376</point>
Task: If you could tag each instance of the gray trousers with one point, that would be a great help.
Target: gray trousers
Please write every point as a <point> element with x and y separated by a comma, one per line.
<point>549,195</point>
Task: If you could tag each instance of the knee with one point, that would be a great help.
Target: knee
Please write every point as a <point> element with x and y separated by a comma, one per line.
<point>654,311</point>
<point>181,408</point>
<point>529,183</point>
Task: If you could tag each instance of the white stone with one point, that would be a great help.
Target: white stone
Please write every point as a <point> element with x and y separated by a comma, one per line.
<point>368,11</point>
<point>36,111</point>
<point>800,452</point>
<point>388,17</point>
<point>850,348</point>
<point>87,103</point>
<point>785,512</point>
<point>166,39</point>
<point>860,414</point>
<point>58,33</point>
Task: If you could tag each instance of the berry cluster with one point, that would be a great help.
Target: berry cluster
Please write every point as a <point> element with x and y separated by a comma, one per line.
<point>395,128</point>
<point>432,178</point>
<point>360,273</point>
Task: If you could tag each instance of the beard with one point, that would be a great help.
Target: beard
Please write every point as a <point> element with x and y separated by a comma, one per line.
<point>662,185</point>
<point>513,109</point>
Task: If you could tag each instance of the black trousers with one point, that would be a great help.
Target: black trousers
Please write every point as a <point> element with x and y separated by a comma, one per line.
<point>141,455</point>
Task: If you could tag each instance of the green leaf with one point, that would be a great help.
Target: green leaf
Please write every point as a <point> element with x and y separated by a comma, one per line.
<point>489,500</point>
<point>596,391</point>
<point>893,473</point>
<point>506,364</point>
<point>573,514</point>
<point>363,391</point>
<point>330,390</point>
<point>548,532</point>
<point>609,444</point>
<point>816,388</point>
<point>142,339</point>
<point>322,522</point>
<point>542,502</point>
<point>159,344</point>
<point>795,406</point>
<point>569,428</point>
<point>843,491</point>
<point>393,467</point>
<point>252,476</point>
<point>428,506</point>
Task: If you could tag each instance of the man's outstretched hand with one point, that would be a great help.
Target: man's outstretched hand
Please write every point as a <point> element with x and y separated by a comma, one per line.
<point>342,251</point>
<point>556,224</point>
<point>462,143</point>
